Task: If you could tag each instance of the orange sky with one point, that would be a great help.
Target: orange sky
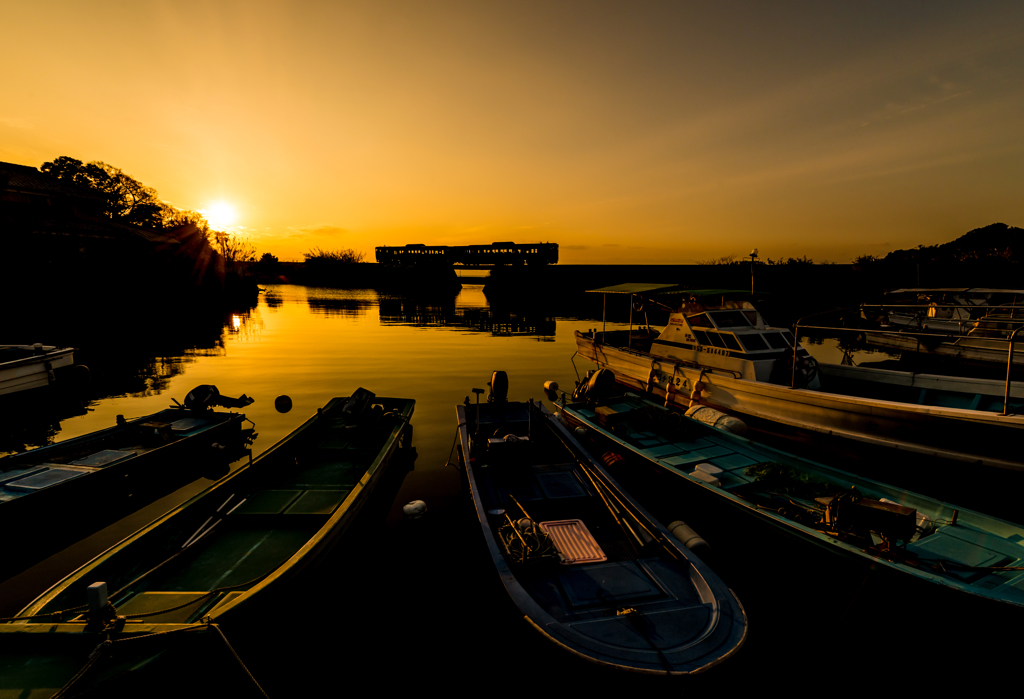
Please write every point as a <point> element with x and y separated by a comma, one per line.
<point>664,132</point>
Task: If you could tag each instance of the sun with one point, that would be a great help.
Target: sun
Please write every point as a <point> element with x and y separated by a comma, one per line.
<point>220,215</point>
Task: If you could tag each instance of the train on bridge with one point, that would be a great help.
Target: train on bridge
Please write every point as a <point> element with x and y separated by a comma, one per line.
<point>491,255</point>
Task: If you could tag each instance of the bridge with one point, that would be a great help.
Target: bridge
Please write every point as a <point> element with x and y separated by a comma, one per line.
<point>469,256</point>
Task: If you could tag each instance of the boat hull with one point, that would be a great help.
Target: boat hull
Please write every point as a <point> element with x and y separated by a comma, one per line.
<point>972,350</point>
<point>971,436</point>
<point>31,367</point>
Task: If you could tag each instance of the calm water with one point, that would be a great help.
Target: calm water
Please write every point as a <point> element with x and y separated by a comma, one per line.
<point>415,604</point>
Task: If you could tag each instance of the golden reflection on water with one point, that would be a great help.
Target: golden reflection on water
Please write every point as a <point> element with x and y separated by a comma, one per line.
<point>314,344</point>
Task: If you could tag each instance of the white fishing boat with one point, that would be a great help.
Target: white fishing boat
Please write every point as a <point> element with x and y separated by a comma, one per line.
<point>720,352</point>
<point>954,311</point>
<point>969,325</point>
<point>23,367</point>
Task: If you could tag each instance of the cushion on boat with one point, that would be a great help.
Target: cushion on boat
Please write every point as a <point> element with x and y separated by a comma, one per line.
<point>573,541</point>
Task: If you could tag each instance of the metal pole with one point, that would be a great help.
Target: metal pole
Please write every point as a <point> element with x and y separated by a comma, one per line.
<point>1009,364</point>
<point>796,334</point>
<point>630,345</point>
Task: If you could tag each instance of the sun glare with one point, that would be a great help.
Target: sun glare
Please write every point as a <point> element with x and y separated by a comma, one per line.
<point>220,215</point>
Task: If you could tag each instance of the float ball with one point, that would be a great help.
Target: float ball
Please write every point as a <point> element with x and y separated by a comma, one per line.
<point>283,404</point>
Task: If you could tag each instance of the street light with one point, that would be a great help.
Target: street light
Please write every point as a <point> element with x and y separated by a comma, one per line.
<point>753,259</point>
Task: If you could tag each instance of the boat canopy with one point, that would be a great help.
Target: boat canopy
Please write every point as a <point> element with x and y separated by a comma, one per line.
<point>632,288</point>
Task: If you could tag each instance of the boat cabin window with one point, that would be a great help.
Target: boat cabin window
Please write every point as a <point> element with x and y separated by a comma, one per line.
<point>730,341</point>
<point>733,319</point>
<point>753,343</point>
<point>776,340</point>
<point>702,337</point>
<point>716,340</point>
<point>700,320</point>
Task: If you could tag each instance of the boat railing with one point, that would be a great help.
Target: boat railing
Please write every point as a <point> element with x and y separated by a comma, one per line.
<point>799,324</point>
<point>1001,314</point>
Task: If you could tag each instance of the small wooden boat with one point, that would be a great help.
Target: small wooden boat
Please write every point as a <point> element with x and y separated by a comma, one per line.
<point>213,559</point>
<point>57,494</point>
<point>24,367</point>
<point>911,536</point>
<point>587,566</point>
<point>725,355</point>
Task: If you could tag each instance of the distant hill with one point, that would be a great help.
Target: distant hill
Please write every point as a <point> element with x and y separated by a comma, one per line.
<point>997,241</point>
<point>992,256</point>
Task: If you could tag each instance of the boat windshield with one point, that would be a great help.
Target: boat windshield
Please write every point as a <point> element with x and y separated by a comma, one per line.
<point>734,319</point>
<point>776,340</point>
<point>753,342</point>
<point>700,320</point>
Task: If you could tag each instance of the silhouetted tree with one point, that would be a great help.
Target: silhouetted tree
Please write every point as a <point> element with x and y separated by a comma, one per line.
<point>125,198</point>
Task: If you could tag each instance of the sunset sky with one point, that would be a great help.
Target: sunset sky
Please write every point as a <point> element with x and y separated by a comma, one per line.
<point>659,132</point>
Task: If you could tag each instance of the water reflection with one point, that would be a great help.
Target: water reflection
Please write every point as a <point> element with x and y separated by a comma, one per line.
<point>140,360</point>
<point>341,302</point>
<point>468,311</point>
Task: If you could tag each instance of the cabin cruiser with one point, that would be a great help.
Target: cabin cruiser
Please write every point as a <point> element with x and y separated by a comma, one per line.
<point>720,352</point>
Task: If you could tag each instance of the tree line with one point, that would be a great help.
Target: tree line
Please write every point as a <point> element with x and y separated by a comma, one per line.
<point>127,200</point>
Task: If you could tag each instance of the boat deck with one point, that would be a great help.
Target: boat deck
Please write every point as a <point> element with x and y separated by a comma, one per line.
<point>543,477</point>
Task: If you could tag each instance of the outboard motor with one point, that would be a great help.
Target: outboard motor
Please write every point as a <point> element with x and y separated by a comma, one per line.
<point>599,384</point>
<point>207,396</point>
<point>202,397</point>
<point>499,387</point>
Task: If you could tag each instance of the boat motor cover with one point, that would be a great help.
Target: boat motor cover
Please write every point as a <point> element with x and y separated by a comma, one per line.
<point>601,384</point>
<point>207,396</point>
<point>499,387</point>
<point>358,402</point>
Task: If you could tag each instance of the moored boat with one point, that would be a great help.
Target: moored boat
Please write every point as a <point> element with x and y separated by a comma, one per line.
<point>585,564</point>
<point>24,367</point>
<point>912,537</point>
<point>214,559</point>
<point>58,494</point>
<point>723,354</point>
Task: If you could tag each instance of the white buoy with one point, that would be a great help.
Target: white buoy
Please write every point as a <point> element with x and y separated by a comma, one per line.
<point>414,509</point>
<point>551,386</point>
<point>581,432</point>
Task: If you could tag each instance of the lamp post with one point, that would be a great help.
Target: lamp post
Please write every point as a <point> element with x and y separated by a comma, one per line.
<point>753,259</point>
